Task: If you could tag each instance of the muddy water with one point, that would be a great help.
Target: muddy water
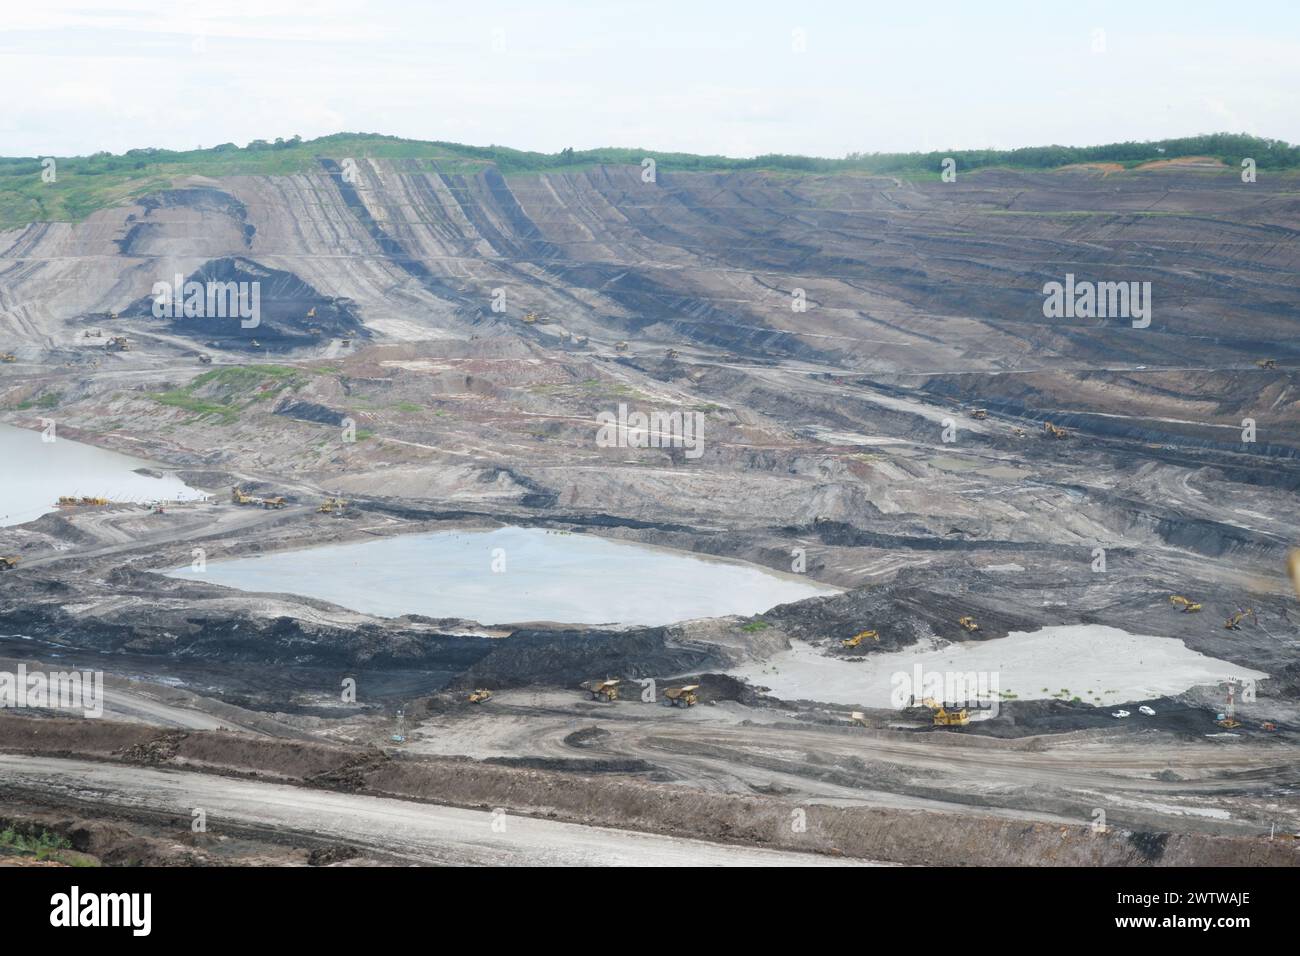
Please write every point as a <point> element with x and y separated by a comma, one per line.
<point>513,575</point>
<point>34,473</point>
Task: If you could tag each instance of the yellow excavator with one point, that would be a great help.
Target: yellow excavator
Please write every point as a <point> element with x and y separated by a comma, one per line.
<point>331,505</point>
<point>238,497</point>
<point>480,696</point>
<point>1234,623</point>
<point>1055,430</point>
<point>8,564</point>
<point>1187,605</point>
<point>311,313</point>
<point>682,696</point>
<point>968,622</point>
<point>606,690</point>
<point>859,637</point>
<point>945,716</point>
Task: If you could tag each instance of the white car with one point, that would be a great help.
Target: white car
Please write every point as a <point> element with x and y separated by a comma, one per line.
<point>1144,709</point>
<point>1121,713</point>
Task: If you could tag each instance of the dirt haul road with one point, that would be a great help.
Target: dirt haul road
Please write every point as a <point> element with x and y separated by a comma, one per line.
<point>414,832</point>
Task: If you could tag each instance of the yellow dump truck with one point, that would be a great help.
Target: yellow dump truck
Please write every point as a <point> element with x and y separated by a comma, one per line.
<point>276,502</point>
<point>682,696</point>
<point>606,690</point>
<point>8,564</point>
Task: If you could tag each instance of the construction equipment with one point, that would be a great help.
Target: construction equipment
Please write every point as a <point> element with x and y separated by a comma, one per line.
<point>311,313</point>
<point>8,564</point>
<point>1187,604</point>
<point>1234,623</point>
<point>683,696</point>
<point>331,505</point>
<point>480,696</point>
<point>1055,431</point>
<point>117,343</point>
<point>1268,725</point>
<point>276,502</point>
<point>1018,432</point>
<point>1228,719</point>
<point>673,354</point>
<point>238,497</point>
<point>254,344</point>
<point>94,333</point>
<point>606,690</point>
<point>1266,363</point>
<point>530,318</point>
<point>620,346</point>
<point>859,637</point>
<point>8,357</point>
<point>968,622</point>
<point>205,358</point>
<point>72,501</point>
<point>947,715</point>
<point>980,414</point>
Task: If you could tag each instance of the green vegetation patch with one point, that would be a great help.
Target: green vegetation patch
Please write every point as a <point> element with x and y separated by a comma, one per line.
<point>223,393</point>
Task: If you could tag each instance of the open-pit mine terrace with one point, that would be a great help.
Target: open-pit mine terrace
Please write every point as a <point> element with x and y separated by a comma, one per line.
<point>874,373</point>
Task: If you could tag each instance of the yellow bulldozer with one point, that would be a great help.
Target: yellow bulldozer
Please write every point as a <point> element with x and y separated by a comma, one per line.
<point>480,696</point>
<point>682,696</point>
<point>606,690</point>
<point>859,637</point>
<point>968,623</point>
<point>8,564</point>
<point>238,497</point>
<point>331,506</point>
<point>1234,623</point>
<point>980,414</point>
<point>1187,605</point>
<point>1055,430</point>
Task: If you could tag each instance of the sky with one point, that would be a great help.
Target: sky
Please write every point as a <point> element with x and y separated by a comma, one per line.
<point>709,76</point>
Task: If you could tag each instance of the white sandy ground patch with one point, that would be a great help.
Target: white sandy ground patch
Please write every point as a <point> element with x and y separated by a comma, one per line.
<point>1102,665</point>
